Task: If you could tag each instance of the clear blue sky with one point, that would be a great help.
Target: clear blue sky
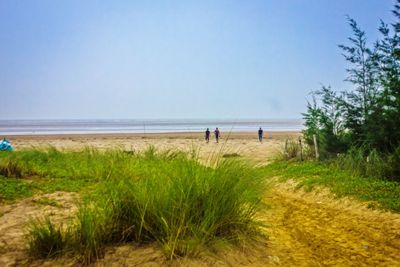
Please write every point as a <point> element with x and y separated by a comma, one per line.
<point>173,59</point>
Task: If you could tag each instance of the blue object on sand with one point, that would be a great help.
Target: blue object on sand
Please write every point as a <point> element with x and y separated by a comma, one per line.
<point>5,145</point>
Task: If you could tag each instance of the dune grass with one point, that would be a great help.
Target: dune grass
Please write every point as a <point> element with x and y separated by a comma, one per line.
<point>167,198</point>
<point>46,240</point>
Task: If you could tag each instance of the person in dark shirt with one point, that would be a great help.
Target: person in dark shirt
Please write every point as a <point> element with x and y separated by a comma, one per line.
<point>260,135</point>
<point>207,137</point>
<point>217,134</point>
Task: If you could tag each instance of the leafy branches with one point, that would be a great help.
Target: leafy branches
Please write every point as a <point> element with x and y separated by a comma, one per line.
<point>368,116</point>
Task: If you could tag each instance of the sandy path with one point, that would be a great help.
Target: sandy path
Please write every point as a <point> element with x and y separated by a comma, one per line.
<point>313,229</point>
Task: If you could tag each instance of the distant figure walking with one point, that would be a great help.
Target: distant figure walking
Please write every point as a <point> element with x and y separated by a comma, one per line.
<point>207,135</point>
<point>217,134</point>
<point>260,134</point>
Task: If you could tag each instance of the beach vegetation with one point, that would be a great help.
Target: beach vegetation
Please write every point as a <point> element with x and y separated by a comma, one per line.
<point>362,125</point>
<point>12,188</point>
<point>10,169</point>
<point>295,149</point>
<point>167,198</point>
<point>45,239</point>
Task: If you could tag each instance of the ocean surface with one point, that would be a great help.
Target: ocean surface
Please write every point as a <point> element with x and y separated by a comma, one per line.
<point>47,127</point>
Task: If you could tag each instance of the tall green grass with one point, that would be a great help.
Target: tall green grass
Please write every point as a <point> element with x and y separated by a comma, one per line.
<point>163,197</point>
<point>364,162</point>
<point>46,240</point>
<point>293,150</point>
<point>360,161</point>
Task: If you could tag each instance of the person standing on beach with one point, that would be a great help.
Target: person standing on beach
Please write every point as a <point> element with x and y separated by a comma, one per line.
<point>217,134</point>
<point>260,134</point>
<point>208,135</point>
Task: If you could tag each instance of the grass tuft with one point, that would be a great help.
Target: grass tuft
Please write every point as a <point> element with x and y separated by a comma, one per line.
<point>45,240</point>
<point>292,150</point>
<point>89,235</point>
<point>163,197</point>
<point>363,162</point>
<point>11,169</point>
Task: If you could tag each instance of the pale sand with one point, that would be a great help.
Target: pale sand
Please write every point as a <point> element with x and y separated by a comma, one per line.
<point>244,144</point>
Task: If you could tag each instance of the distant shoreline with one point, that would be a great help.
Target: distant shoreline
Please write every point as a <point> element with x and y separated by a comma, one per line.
<point>134,127</point>
<point>189,135</point>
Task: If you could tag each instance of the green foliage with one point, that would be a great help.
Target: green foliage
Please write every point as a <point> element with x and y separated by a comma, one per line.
<point>341,182</point>
<point>179,203</point>
<point>12,188</point>
<point>365,162</point>
<point>358,104</point>
<point>10,169</point>
<point>168,198</point>
<point>89,236</point>
<point>367,117</point>
<point>45,240</point>
<point>325,122</point>
<point>56,164</point>
<point>292,150</point>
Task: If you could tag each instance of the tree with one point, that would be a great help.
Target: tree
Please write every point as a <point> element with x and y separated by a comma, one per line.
<point>368,117</point>
<point>386,136</point>
<point>358,104</point>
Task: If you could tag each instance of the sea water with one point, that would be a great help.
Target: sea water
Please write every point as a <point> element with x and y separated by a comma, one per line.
<point>40,127</point>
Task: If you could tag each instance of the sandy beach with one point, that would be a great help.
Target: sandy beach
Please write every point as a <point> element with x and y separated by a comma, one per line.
<point>350,233</point>
<point>243,143</point>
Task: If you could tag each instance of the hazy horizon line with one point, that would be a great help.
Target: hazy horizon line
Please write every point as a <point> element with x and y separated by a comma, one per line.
<point>152,119</point>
